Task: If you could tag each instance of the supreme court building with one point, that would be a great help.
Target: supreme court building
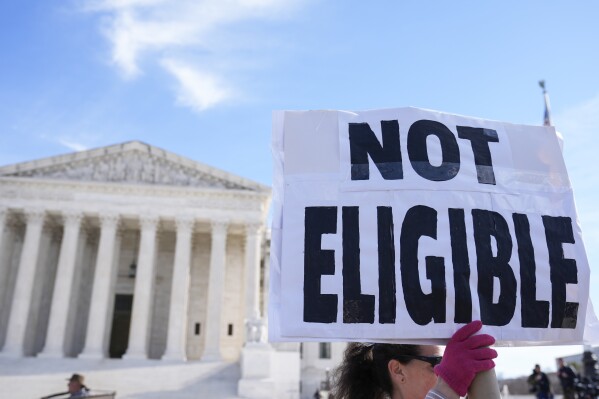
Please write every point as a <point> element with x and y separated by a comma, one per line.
<point>130,251</point>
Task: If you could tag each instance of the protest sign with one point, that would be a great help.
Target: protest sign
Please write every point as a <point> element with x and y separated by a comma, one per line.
<point>400,224</point>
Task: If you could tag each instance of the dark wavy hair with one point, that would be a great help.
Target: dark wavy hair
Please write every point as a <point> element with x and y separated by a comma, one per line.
<point>364,374</point>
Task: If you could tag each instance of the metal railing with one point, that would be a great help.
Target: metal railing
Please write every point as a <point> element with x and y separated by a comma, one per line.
<point>92,394</point>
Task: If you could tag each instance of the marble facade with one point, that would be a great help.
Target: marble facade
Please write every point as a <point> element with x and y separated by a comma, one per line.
<point>131,251</point>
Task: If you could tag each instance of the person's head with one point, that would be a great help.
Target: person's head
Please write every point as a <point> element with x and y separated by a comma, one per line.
<point>537,369</point>
<point>375,371</point>
<point>560,362</point>
<point>76,383</point>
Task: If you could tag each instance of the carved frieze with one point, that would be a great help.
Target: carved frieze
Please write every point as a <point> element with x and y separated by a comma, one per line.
<point>130,167</point>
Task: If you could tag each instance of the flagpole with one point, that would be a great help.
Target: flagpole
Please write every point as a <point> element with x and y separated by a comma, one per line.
<point>547,116</point>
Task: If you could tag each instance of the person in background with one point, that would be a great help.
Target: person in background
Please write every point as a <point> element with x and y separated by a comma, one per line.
<point>567,379</point>
<point>398,371</point>
<point>77,388</point>
<point>539,383</point>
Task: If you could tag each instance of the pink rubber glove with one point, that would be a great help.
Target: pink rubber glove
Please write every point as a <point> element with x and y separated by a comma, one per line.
<point>465,355</point>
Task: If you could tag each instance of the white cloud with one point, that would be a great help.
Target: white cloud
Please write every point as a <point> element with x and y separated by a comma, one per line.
<point>168,31</point>
<point>140,29</point>
<point>197,89</point>
<point>73,142</point>
<point>71,145</point>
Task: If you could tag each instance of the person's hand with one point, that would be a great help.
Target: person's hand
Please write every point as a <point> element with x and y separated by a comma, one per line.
<point>465,355</point>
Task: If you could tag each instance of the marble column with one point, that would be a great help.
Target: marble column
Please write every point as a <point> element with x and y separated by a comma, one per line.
<point>216,288</point>
<point>4,273</point>
<point>3,213</point>
<point>99,312</point>
<point>4,262</point>
<point>142,297</point>
<point>253,244</point>
<point>176,343</point>
<point>63,286</point>
<point>21,302</point>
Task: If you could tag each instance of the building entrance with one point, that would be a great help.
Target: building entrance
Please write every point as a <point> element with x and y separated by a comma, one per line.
<point>121,321</point>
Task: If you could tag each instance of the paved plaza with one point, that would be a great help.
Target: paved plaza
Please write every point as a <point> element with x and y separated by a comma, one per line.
<point>29,378</point>
<point>32,378</point>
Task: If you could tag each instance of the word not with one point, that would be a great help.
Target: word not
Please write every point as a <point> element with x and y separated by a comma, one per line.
<point>423,308</point>
<point>388,158</point>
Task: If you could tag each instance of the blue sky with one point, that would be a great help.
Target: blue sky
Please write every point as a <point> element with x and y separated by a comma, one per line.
<point>201,77</point>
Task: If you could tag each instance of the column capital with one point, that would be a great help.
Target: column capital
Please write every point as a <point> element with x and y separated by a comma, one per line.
<point>109,219</point>
<point>35,215</point>
<point>149,221</point>
<point>185,222</point>
<point>253,228</point>
<point>219,226</point>
<point>72,217</point>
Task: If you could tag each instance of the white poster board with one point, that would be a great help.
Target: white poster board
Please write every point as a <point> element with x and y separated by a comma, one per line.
<point>402,224</point>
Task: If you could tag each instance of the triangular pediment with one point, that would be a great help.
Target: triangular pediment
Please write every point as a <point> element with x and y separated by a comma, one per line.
<point>130,163</point>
